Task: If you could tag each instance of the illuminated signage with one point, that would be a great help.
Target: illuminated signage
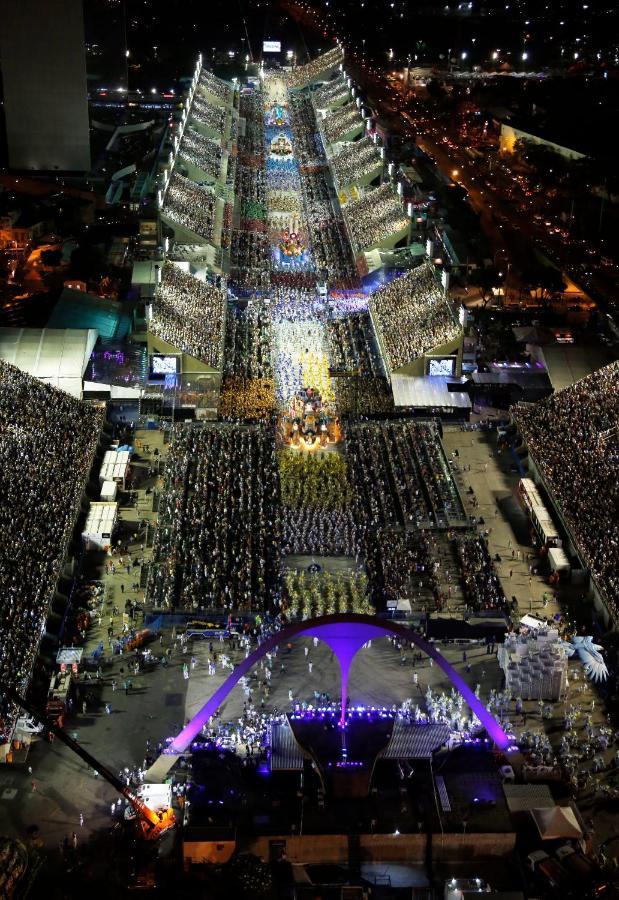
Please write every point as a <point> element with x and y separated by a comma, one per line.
<point>271,47</point>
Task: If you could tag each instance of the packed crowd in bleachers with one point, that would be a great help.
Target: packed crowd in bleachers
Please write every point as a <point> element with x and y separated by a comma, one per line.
<point>248,342</point>
<point>400,475</point>
<point>369,395</point>
<point>303,75</point>
<point>355,161</point>
<point>340,122</point>
<point>216,87</point>
<point>480,582</point>
<point>217,543</point>
<point>190,205</point>
<point>208,114</point>
<point>47,444</point>
<point>330,246</point>
<point>249,258</point>
<point>352,344</point>
<point>362,388</point>
<point>573,437</point>
<point>201,152</point>
<point>412,316</point>
<point>399,566</point>
<point>376,216</point>
<point>251,136</point>
<point>190,314</point>
<point>247,398</point>
<point>307,144</point>
<point>331,92</point>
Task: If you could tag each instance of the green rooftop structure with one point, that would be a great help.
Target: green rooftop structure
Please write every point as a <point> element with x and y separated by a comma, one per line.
<point>77,309</point>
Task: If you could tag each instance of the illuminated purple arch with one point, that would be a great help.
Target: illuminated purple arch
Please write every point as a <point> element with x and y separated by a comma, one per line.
<point>345,635</point>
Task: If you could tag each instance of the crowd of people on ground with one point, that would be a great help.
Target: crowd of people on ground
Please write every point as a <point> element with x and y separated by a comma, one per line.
<point>316,504</point>
<point>190,314</point>
<point>354,162</point>
<point>323,594</point>
<point>246,398</point>
<point>218,538</point>
<point>572,436</point>
<point>47,444</point>
<point>190,205</point>
<point>376,216</point>
<point>301,360</point>
<point>250,142</point>
<point>202,152</point>
<point>481,584</point>
<point>412,316</point>
<point>340,122</point>
<point>321,532</point>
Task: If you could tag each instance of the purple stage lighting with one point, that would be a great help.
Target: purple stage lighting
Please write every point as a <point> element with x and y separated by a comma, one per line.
<point>345,634</point>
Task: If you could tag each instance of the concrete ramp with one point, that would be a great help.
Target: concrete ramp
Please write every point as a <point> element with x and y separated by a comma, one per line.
<point>160,769</point>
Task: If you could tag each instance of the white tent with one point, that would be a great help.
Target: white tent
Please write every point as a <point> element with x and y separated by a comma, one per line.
<point>556,822</point>
<point>57,356</point>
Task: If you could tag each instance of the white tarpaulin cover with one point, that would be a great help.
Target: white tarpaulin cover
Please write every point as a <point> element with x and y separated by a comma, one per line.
<point>556,822</point>
<point>57,356</point>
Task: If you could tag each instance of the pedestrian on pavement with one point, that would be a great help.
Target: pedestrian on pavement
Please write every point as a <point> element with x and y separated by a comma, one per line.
<point>34,784</point>
<point>310,666</point>
<point>108,708</point>
<point>74,840</point>
<point>81,818</point>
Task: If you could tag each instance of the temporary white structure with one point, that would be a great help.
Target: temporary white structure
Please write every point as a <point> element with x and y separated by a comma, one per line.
<point>99,526</point>
<point>57,356</point>
<point>115,466</point>
<point>535,665</point>
<point>556,822</point>
<point>109,489</point>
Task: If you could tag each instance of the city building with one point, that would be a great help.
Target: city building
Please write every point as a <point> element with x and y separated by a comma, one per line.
<point>44,78</point>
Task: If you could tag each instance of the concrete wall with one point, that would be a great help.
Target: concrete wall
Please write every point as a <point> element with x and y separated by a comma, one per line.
<point>333,848</point>
<point>45,94</point>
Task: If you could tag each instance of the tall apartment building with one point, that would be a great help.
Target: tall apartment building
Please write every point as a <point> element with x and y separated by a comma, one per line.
<point>43,63</point>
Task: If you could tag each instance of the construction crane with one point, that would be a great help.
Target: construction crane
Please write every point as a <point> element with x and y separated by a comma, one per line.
<point>152,825</point>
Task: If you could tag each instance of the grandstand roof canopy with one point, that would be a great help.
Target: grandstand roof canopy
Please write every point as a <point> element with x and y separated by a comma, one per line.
<point>427,391</point>
<point>57,356</point>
